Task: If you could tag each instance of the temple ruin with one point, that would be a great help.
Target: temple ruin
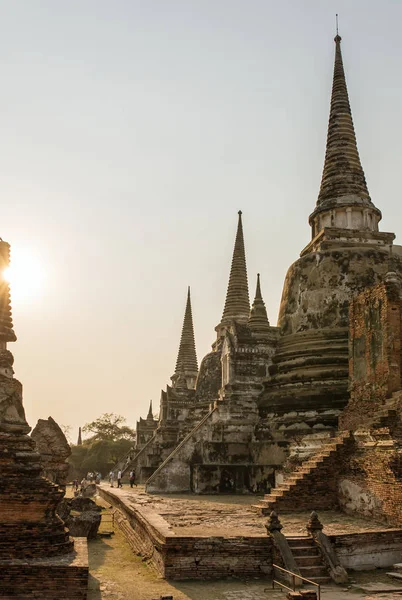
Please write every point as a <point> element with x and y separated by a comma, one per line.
<point>37,556</point>
<point>268,400</point>
<point>54,450</point>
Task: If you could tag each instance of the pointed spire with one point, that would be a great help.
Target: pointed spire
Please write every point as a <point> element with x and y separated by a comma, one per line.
<point>186,364</point>
<point>6,321</point>
<point>150,414</point>
<point>79,442</point>
<point>237,305</point>
<point>343,181</point>
<point>343,173</point>
<point>258,319</point>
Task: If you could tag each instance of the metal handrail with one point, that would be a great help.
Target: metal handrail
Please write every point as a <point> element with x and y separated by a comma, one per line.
<point>294,575</point>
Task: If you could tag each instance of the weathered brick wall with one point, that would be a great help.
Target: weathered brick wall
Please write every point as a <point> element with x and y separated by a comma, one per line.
<point>218,557</point>
<point>376,471</point>
<point>375,352</point>
<point>24,582</point>
<point>187,557</point>
<point>364,551</point>
<point>62,578</point>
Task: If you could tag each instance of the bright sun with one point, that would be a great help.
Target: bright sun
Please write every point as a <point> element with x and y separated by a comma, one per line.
<point>25,275</point>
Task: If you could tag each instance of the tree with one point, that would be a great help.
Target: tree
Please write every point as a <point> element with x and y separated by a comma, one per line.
<point>111,439</point>
<point>110,427</point>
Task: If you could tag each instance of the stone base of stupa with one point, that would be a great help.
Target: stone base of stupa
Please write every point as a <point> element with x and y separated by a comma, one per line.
<point>62,577</point>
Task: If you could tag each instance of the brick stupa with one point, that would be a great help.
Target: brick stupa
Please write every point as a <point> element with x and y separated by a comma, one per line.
<point>29,526</point>
<point>36,552</point>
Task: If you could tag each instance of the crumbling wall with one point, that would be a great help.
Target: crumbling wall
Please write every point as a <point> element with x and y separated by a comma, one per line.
<point>375,352</point>
<point>371,486</point>
<point>53,448</point>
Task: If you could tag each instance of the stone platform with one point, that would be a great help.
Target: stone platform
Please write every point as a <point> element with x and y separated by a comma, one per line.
<point>212,537</point>
<point>62,577</point>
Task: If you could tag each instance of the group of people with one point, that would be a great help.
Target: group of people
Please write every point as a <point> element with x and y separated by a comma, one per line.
<point>119,478</point>
<point>90,477</point>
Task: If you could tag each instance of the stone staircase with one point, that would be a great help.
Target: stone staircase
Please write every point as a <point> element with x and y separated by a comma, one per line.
<point>313,485</point>
<point>310,482</point>
<point>308,559</point>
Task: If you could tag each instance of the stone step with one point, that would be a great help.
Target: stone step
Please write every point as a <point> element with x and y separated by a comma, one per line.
<point>308,560</point>
<point>294,479</point>
<point>312,572</point>
<point>276,493</point>
<point>397,567</point>
<point>395,575</point>
<point>300,540</point>
<point>304,551</point>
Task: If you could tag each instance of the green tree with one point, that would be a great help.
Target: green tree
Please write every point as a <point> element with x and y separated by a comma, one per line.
<point>109,427</point>
<point>110,440</point>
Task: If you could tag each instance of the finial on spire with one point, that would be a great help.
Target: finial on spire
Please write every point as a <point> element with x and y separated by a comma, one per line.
<point>240,213</point>
<point>258,294</point>
<point>337,38</point>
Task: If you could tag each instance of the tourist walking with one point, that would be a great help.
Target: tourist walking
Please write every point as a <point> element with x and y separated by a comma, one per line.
<point>111,478</point>
<point>132,478</point>
<point>119,484</point>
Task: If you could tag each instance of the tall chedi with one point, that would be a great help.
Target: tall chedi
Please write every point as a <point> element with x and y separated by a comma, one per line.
<point>309,379</point>
<point>29,526</point>
<point>236,310</point>
<point>186,370</point>
<point>38,559</point>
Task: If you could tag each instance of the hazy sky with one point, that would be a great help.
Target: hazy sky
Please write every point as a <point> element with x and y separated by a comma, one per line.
<point>131,133</point>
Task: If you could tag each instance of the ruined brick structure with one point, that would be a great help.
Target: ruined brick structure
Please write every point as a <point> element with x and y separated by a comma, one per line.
<point>375,336</point>
<point>30,530</point>
<point>360,470</point>
<point>54,450</point>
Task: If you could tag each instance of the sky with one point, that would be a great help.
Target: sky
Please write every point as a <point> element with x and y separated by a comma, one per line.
<point>131,133</point>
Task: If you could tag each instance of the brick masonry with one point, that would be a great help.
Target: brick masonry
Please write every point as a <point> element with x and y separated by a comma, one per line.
<point>186,557</point>
<point>64,577</point>
<point>178,557</point>
<point>375,352</point>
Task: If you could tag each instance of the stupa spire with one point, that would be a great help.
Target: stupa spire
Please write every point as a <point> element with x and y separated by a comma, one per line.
<point>186,363</point>
<point>343,181</point>
<point>258,319</point>
<point>6,321</point>
<point>79,441</point>
<point>150,414</point>
<point>237,304</point>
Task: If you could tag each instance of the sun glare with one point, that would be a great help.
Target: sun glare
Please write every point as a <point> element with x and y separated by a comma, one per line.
<point>25,275</point>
